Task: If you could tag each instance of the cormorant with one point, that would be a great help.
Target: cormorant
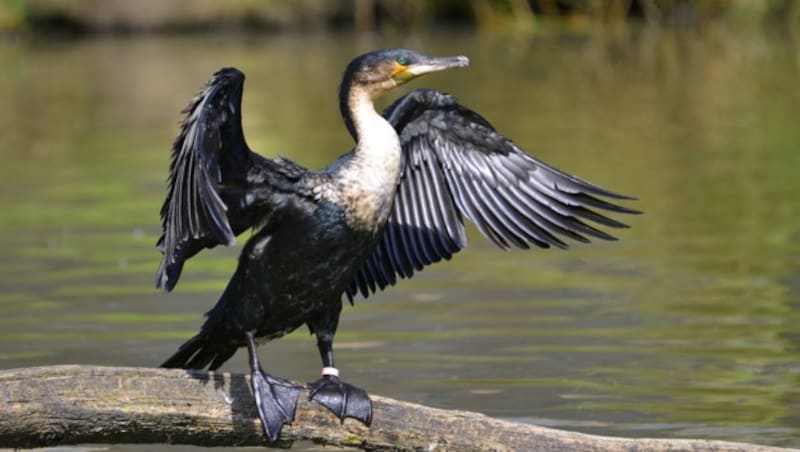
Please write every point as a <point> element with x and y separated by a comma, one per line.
<point>392,205</point>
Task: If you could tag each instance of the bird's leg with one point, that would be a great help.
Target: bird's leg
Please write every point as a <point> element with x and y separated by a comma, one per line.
<point>344,399</point>
<point>276,398</point>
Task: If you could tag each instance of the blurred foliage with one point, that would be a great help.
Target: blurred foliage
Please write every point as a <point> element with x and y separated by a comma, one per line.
<point>12,14</point>
<point>83,16</point>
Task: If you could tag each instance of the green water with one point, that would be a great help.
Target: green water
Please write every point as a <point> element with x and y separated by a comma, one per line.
<point>686,327</point>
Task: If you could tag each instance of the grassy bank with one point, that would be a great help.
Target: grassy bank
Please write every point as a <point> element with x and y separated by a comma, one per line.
<point>122,16</point>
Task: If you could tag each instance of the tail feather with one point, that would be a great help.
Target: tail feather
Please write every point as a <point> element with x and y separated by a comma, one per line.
<point>181,358</point>
<point>199,351</point>
<point>216,342</point>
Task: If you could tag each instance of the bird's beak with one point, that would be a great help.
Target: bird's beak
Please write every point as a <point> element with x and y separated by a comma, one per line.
<point>402,73</point>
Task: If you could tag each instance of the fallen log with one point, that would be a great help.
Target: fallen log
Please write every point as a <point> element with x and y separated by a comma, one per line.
<point>49,406</point>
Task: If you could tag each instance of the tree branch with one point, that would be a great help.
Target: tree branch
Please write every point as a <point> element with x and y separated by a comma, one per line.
<point>48,406</point>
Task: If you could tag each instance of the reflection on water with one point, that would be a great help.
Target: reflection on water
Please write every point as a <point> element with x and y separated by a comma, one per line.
<point>686,327</point>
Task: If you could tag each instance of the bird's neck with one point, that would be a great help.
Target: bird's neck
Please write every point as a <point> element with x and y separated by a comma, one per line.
<point>377,144</point>
<point>370,174</point>
<point>370,126</point>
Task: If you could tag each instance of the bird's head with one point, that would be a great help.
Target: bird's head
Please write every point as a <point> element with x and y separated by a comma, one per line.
<point>382,70</point>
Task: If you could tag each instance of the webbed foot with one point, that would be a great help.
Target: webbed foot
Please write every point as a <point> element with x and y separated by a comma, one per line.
<point>343,399</point>
<point>276,400</point>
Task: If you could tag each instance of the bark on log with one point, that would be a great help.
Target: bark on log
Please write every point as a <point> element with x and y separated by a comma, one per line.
<point>48,406</point>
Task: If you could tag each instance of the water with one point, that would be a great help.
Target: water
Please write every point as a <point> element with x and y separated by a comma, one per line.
<point>686,327</point>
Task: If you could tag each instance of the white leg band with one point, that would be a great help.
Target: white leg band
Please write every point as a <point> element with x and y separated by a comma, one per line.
<point>332,371</point>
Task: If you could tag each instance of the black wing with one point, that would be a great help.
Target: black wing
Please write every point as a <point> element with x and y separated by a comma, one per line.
<point>210,162</point>
<point>456,165</point>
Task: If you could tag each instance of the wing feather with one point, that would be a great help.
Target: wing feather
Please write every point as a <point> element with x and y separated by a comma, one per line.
<point>209,151</point>
<point>456,165</point>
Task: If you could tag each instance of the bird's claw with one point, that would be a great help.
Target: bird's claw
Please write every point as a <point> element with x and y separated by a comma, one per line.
<point>343,399</point>
<point>276,400</point>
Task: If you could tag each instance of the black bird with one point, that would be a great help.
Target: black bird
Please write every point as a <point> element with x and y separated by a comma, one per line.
<point>389,207</point>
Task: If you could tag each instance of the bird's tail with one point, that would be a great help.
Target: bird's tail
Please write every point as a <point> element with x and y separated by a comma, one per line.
<point>210,348</point>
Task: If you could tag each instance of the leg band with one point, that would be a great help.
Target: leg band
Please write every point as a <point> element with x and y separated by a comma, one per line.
<point>332,371</point>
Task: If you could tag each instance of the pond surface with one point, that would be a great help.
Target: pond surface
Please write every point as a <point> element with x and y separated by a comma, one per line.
<point>689,326</point>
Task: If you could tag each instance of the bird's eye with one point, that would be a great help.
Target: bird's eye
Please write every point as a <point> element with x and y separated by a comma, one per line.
<point>402,60</point>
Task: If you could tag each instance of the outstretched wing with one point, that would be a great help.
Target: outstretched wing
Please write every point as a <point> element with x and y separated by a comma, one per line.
<point>456,165</point>
<point>210,161</point>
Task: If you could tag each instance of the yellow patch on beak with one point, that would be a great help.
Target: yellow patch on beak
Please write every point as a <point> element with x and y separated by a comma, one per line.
<point>398,69</point>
